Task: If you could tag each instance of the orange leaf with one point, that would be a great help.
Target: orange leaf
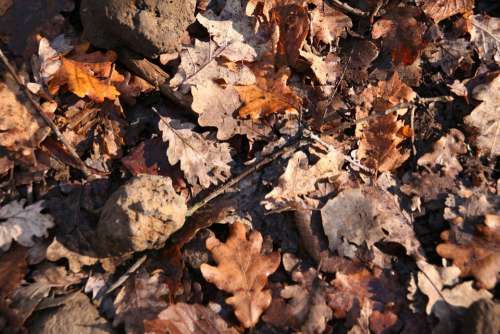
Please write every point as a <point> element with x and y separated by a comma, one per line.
<point>81,82</point>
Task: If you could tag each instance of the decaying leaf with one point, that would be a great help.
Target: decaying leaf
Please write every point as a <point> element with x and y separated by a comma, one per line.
<point>445,302</point>
<point>270,95</point>
<point>359,218</point>
<point>300,179</point>
<point>217,106</point>
<point>326,69</point>
<point>445,153</point>
<point>476,254</point>
<point>328,24</point>
<point>485,34</point>
<point>21,130</point>
<point>21,224</point>
<point>142,298</point>
<point>184,318</point>
<point>202,159</point>
<point>442,9</point>
<point>401,30</point>
<point>76,261</point>
<point>379,146</point>
<point>242,271</point>
<point>302,306</point>
<point>82,82</point>
<point>485,117</point>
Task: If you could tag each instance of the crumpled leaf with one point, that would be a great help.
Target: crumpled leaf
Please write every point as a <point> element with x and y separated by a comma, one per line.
<point>476,254</point>
<point>485,117</point>
<point>270,95</point>
<point>302,306</point>
<point>381,137</point>
<point>19,223</point>
<point>328,24</point>
<point>485,34</point>
<point>21,130</point>
<point>82,82</point>
<point>242,271</point>
<point>142,297</point>
<point>300,179</point>
<point>368,299</point>
<point>202,159</point>
<point>402,32</point>
<point>444,154</point>
<point>217,106</point>
<point>199,64</point>
<point>184,318</point>
<point>359,218</point>
<point>439,10</point>
<point>446,303</point>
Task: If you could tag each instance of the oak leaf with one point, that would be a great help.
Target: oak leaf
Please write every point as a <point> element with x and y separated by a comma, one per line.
<point>184,318</point>
<point>485,34</point>
<point>442,9</point>
<point>202,159</point>
<point>242,271</point>
<point>82,82</point>
<point>485,117</point>
<point>270,95</point>
<point>22,223</point>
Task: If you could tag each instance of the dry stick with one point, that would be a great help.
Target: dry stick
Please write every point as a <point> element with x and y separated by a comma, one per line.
<point>48,121</point>
<point>349,9</point>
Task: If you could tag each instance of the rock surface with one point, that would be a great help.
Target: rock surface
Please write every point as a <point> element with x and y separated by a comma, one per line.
<point>149,27</point>
<point>482,317</point>
<point>140,215</point>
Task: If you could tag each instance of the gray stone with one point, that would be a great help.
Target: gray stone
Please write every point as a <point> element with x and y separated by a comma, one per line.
<point>482,317</point>
<point>149,27</point>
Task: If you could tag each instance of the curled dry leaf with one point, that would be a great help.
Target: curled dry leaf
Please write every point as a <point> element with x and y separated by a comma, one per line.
<point>21,129</point>
<point>242,271</point>
<point>402,34</point>
<point>21,224</point>
<point>442,9</point>
<point>270,95</point>
<point>184,318</point>
<point>202,159</point>
<point>358,218</point>
<point>485,117</point>
<point>476,254</point>
<point>485,35</point>
<point>300,179</point>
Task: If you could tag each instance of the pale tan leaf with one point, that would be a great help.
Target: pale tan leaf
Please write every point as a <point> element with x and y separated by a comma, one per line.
<point>327,69</point>
<point>439,10</point>
<point>21,224</point>
<point>242,271</point>
<point>485,34</point>
<point>328,24</point>
<point>203,160</point>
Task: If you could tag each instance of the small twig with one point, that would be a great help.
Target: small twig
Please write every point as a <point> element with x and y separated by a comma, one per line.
<point>127,274</point>
<point>412,126</point>
<point>380,4</point>
<point>349,9</point>
<point>41,113</point>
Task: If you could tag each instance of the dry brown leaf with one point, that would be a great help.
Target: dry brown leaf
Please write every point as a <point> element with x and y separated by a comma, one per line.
<point>381,137</point>
<point>485,118</point>
<point>242,271</point>
<point>270,95</point>
<point>184,318</point>
<point>328,24</point>
<point>21,130</point>
<point>485,34</point>
<point>202,159</point>
<point>76,261</point>
<point>440,10</point>
<point>401,30</point>
<point>475,254</point>
<point>327,69</point>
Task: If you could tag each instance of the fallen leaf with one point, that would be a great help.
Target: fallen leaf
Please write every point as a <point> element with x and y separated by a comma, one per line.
<point>442,9</point>
<point>270,95</point>
<point>326,69</point>
<point>22,223</point>
<point>4,6</point>
<point>359,218</point>
<point>328,24</point>
<point>484,118</point>
<point>485,34</point>
<point>202,159</point>
<point>242,271</point>
<point>476,254</point>
<point>76,261</point>
<point>184,318</point>
<point>217,107</point>
<point>13,268</point>
<point>82,82</point>
<point>142,297</point>
<point>300,179</point>
<point>402,33</point>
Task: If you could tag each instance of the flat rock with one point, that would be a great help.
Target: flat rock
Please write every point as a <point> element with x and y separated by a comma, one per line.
<point>149,27</point>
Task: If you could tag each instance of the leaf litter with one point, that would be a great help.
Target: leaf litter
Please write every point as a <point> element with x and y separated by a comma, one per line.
<point>289,166</point>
